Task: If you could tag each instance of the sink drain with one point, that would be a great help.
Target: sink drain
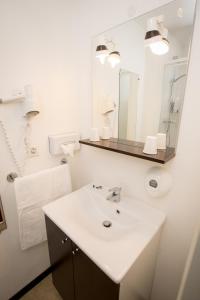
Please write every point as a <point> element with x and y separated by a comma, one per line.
<point>107,224</point>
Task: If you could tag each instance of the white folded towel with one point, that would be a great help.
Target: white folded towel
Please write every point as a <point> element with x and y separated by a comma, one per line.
<point>32,193</point>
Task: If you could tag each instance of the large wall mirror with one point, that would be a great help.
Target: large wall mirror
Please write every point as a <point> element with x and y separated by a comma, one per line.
<point>140,73</point>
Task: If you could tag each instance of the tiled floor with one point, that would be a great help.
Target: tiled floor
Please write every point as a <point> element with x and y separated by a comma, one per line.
<point>45,290</point>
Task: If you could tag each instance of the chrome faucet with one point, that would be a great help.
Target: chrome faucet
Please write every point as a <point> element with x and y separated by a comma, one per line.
<point>115,194</point>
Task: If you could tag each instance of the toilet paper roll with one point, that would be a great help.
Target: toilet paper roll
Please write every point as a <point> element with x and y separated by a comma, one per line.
<point>68,149</point>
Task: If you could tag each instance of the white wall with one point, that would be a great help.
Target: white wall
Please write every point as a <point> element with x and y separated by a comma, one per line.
<point>189,288</point>
<point>37,42</point>
<point>48,44</point>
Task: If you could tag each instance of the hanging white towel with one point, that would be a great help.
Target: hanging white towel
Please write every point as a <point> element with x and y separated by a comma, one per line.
<point>32,193</point>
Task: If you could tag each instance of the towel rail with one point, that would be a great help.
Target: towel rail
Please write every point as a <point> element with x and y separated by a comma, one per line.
<point>11,177</point>
<point>63,161</point>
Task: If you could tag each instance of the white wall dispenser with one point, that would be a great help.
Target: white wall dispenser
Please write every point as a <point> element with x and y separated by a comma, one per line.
<point>66,143</point>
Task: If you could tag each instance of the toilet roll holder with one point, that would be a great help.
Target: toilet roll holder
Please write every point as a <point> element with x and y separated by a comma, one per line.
<point>158,182</point>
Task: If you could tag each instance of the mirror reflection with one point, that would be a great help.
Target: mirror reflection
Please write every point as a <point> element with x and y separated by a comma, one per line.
<point>140,73</point>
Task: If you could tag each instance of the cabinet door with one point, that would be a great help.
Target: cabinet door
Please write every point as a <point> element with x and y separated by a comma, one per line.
<point>60,252</point>
<point>90,282</point>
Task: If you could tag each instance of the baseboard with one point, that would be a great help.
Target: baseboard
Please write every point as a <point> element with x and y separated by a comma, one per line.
<point>32,284</point>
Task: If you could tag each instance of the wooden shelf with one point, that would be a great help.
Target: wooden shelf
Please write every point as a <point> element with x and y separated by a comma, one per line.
<point>132,149</point>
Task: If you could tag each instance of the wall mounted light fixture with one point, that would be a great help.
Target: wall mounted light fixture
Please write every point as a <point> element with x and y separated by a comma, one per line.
<point>102,53</point>
<point>114,58</point>
<point>106,50</point>
<point>156,36</point>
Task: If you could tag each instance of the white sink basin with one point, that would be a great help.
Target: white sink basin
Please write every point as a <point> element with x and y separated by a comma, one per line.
<point>93,209</point>
<point>114,249</point>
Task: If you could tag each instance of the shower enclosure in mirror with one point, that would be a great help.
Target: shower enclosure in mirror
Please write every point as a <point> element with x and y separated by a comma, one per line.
<point>140,73</point>
<point>174,81</point>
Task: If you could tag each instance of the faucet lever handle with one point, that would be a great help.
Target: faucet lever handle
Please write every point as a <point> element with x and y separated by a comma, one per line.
<point>115,189</point>
<point>114,194</point>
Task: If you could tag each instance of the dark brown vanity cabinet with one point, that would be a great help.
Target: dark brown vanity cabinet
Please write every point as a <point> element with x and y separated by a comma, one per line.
<point>60,252</point>
<point>2,218</point>
<point>75,276</point>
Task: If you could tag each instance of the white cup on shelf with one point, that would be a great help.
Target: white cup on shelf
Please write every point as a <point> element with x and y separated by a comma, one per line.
<point>106,133</point>
<point>150,145</point>
<point>161,141</point>
<point>94,135</point>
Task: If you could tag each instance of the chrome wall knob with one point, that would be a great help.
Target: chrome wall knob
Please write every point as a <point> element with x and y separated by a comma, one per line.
<point>75,251</point>
<point>64,240</point>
